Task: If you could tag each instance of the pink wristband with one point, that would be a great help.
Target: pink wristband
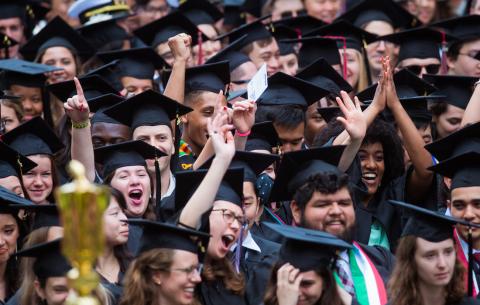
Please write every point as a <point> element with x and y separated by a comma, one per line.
<point>246,134</point>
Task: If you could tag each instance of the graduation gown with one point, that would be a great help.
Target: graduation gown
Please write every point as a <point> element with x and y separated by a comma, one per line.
<point>215,293</point>
<point>382,259</point>
<point>257,267</point>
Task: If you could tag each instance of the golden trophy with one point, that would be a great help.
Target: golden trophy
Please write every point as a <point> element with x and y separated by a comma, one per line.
<point>81,206</point>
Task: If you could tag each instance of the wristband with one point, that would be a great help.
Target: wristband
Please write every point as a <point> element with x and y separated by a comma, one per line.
<point>246,134</point>
<point>81,125</point>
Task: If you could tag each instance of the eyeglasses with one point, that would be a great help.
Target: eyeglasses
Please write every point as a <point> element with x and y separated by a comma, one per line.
<point>473,54</point>
<point>189,271</point>
<point>230,217</point>
<point>417,69</point>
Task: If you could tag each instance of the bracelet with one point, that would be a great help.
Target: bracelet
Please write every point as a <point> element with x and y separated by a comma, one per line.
<point>81,125</point>
<point>246,134</point>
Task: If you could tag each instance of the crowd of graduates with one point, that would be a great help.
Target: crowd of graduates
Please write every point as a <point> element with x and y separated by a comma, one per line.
<point>353,178</point>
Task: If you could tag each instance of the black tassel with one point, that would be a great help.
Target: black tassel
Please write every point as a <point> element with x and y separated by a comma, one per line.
<point>158,191</point>
<point>174,159</point>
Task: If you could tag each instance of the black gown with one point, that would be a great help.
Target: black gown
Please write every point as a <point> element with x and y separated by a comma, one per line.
<point>215,293</point>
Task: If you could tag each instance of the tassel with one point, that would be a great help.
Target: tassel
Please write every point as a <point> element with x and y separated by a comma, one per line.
<point>158,191</point>
<point>177,135</point>
<point>200,48</point>
<point>470,263</point>
<point>443,56</point>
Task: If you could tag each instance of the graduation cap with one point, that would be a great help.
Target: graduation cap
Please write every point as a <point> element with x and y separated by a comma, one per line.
<point>97,105</point>
<point>457,90</point>
<point>139,63</point>
<point>129,153</point>
<point>232,54</point>
<point>49,260</point>
<point>25,73</point>
<point>33,137</point>
<point>418,43</point>
<point>385,10</point>
<point>57,33</point>
<point>104,35</point>
<point>323,75</point>
<point>93,86</point>
<point>252,163</point>
<point>159,235</point>
<point>93,11</point>
<point>13,9</point>
<point>148,108</point>
<point>159,31</point>
<point>255,31</point>
<point>209,77</point>
<point>200,12</point>
<point>108,72</point>
<point>254,7</point>
<point>463,28</point>
<point>233,15</point>
<point>298,166</point>
<point>11,202</point>
<point>464,140</point>
<point>263,136</point>
<point>301,24</point>
<point>307,249</point>
<point>435,227</point>
<point>12,163</point>
<point>284,89</point>
<point>313,48</point>
<point>187,182</point>
<point>46,215</point>
<point>283,33</point>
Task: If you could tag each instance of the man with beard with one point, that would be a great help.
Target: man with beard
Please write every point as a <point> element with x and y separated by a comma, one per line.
<point>323,200</point>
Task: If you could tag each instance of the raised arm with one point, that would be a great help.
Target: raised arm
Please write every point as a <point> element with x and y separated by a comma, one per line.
<point>472,113</point>
<point>78,111</point>
<point>420,180</point>
<point>180,45</point>
<point>224,148</point>
<point>243,118</point>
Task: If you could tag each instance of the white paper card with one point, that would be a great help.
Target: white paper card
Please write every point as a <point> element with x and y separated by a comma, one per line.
<point>258,84</point>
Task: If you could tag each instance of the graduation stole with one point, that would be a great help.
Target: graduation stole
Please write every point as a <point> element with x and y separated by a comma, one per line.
<point>184,149</point>
<point>368,284</point>
<point>462,256</point>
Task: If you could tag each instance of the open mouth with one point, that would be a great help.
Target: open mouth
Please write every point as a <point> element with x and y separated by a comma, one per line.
<point>369,176</point>
<point>135,195</point>
<point>228,240</point>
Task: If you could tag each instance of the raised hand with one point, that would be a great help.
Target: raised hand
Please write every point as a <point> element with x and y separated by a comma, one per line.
<point>180,45</point>
<point>390,91</point>
<point>76,107</point>
<point>288,285</point>
<point>380,99</point>
<point>243,116</point>
<point>354,121</point>
<point>219,131</point>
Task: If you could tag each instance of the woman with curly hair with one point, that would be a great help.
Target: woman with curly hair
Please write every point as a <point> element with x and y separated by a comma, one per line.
<point>427,270</point>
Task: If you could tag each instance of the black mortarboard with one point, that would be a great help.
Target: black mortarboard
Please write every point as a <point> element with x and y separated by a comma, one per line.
<point>12,163</point>
<point>93,86</point>
<point>200,12</point>
<point>159,31</point>
<point>298,166</point>
<point>129,153</point>
<point>281,33</point>
<point>252,163</point>
<point>315,47</point>
<point>418,43</point>
<point>108,72</point>
<point>148,108</point>
<point>385,10</point>
<point>105,35</point>
<point>346,35</point>
<point>427,224</point>
<point>263,136</point>
<point>464,140</point>
<point>284,89</point>
<point>330,113</point>
<point>254,7</point>
<point>230,190</point>
<point>456,89</point>
<point>25,73</point>
<point>160,235</point>
<point>13,9</point>
<point>233,15</point>
<point>307,249</point>
<point>232,54</point>
<point>57,33</point>
<point>33,137</point>
<point>46,215</point>
<point>139,62</point>
<point>255,31</point>
<point>49,259</point>
<point>463,28</point>
<point>209,77</point>
<point>323,75</point>
<point>98,104</point>
<point>301,24</point>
